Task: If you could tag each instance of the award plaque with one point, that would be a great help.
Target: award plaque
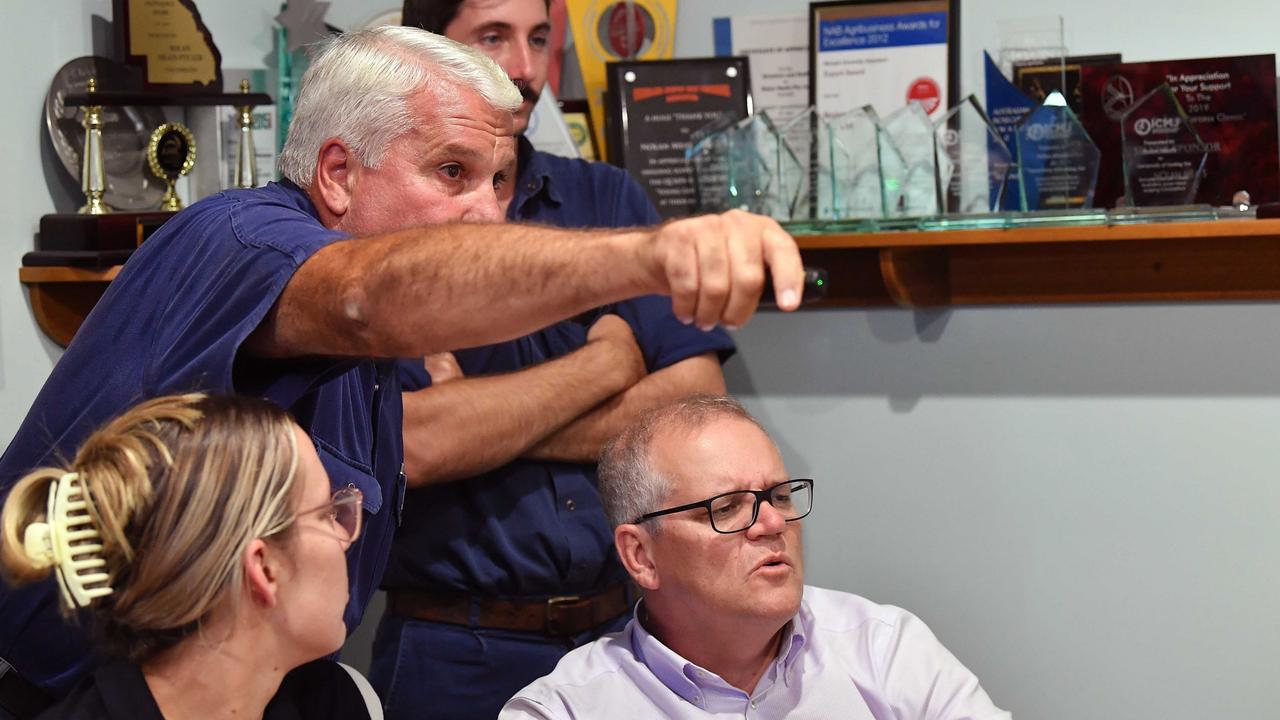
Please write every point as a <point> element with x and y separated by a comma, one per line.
<point>1231,103</point>
<point>1057,159</point>
<point>912,134</point>
<point>170,155</point>
<point>170,43</point>
<point>1163,155</point>
<point>883,53</point>
<point>653,109</point>
<point>975,166</point>
<point>849,182</point>
<point>1036,79</point>
<point>745,164</point>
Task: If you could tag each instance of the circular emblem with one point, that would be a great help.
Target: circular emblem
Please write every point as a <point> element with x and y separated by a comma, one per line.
<point>172,151</point>
<point>926,91</point>
<point>626,31</point>
<point>1117,96</point>
<point>1142,127</point>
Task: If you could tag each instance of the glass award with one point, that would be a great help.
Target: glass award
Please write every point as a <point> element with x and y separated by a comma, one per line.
<point>975,167</point>
<point>1164,157</point>
<point>911,133</point>
<point>1057,160</point>
<point>849,180</point>
<point>745,165</point>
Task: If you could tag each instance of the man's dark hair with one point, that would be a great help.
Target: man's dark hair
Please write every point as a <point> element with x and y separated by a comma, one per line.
<point>434,15</point>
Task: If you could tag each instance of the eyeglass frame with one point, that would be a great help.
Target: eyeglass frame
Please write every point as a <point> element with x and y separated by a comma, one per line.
<point>760,496</point>
<point>345,496</point>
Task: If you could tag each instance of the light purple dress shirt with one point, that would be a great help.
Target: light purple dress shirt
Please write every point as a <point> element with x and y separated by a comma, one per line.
<point>842,657</point>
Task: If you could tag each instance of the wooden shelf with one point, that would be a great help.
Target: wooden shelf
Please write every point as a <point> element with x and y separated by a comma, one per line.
<point>1193,261</point>
<point>1215,260</point>
<point>61,297</point>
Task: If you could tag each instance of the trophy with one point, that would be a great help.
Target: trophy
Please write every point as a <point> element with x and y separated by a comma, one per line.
<point>911,134</point>
<point>246,159</point>
<point>170,155</point>
<point>975,167</point>
<point>849,179</point>
<point>745,164</point>
<point>93,175</point>
<point>1164,157</point>
<point>1057,159</point>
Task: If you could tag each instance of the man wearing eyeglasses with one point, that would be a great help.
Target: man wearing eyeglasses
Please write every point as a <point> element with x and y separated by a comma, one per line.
<point>707,522</point>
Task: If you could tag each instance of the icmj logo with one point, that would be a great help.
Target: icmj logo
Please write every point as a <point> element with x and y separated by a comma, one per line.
<point>1160,126</point>
<point>1048,131</point>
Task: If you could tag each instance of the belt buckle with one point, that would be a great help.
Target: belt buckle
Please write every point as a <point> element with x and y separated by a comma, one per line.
<point>554,604</point>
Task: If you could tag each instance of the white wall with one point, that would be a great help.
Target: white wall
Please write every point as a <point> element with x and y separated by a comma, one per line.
<point>1080,500</point>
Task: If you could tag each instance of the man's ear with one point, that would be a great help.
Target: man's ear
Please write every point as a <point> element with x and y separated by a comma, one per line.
<point>336,169</point>
<point>262,573</point>
<point>635,548</point>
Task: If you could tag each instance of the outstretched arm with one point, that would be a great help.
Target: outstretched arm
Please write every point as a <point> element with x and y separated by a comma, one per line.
<point>420,291</point>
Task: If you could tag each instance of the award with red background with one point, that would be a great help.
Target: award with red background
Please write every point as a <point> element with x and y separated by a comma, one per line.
<point>1230,101</point>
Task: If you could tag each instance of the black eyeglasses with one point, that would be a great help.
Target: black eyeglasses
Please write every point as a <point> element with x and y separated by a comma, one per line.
<point>736,511</point>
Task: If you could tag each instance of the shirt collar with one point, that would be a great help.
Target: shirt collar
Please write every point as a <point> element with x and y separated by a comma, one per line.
<point>697,685</point>
<point>533,174</point>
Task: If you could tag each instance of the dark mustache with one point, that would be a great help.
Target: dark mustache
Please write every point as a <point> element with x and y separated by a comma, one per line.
<point>525,91</point>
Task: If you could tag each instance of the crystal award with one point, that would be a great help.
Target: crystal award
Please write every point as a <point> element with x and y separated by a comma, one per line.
<point>911,133</point>
<point>975,167</point>
<point>849,180</point>
<point>1164,157</point>
<point>1058,162</point>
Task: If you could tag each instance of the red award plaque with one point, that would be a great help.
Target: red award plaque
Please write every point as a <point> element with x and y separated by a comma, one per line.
<point>1230,102</point>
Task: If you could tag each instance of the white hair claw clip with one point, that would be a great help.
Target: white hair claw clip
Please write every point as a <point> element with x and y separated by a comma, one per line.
<point>68,541</point>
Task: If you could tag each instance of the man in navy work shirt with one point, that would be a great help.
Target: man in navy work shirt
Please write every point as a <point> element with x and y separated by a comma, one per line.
<point>503,524</point>
<point>261,291</point>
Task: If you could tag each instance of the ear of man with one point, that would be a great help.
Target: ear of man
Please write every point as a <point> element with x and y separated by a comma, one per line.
<point>336,170</point>
<point>635,548</point>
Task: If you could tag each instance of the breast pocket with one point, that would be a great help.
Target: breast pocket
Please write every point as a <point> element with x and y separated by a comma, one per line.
<point>345,471</point>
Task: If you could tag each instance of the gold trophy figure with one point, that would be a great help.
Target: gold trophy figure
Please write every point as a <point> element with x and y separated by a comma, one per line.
<point>247,159</point>
<point>93,174</point>
<point>170,155</point>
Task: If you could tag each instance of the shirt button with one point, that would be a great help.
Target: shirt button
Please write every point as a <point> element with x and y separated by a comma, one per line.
<point>531,186</point>
<point>753,704</point>
<point>570,504</point>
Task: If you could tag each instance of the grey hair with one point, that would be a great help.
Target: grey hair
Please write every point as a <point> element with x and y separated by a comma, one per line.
<point>629,484</point>
<point>357,89</point>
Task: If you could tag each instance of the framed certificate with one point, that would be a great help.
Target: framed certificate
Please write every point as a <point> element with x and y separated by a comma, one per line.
<point>652,109</point>
<point>883,54</point>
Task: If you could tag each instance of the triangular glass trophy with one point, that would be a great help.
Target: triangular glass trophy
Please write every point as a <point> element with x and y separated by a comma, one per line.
<point>1058,162</point>
<point>1164,157</point>
<point>975,167</point>
<point>709,151</point>
<point>911,131</point>
<point>849,182</point>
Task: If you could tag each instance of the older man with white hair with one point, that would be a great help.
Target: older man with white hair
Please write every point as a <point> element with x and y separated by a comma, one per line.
<point>708,523</point>
<point>301,291</point>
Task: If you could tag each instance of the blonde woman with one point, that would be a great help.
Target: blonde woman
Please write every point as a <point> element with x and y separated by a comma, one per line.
<point>198,537</point>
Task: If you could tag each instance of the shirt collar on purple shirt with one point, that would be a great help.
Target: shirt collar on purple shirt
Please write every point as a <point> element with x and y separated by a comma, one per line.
<point>702,687</point>
<point>533,174</point>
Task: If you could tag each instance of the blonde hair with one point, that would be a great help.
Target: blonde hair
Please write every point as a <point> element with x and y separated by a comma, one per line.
<point>177,487</point>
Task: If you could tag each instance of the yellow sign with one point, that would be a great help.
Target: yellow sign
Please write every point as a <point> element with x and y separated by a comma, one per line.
<point>608,30</point>
<point>175,43</point>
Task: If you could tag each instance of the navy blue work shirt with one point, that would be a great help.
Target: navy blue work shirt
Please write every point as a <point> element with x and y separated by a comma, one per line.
<point>173,321</point>
<point>532,528</point>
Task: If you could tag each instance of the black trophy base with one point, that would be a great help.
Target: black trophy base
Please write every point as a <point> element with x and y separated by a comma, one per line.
<point>73,232</point>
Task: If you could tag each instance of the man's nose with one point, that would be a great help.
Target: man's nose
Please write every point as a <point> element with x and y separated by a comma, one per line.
<point>520,62</point>
<point>485,207</point>
<point>769,521</point>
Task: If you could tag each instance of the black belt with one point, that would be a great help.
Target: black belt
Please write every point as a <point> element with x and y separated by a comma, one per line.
<point>18,696</point>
